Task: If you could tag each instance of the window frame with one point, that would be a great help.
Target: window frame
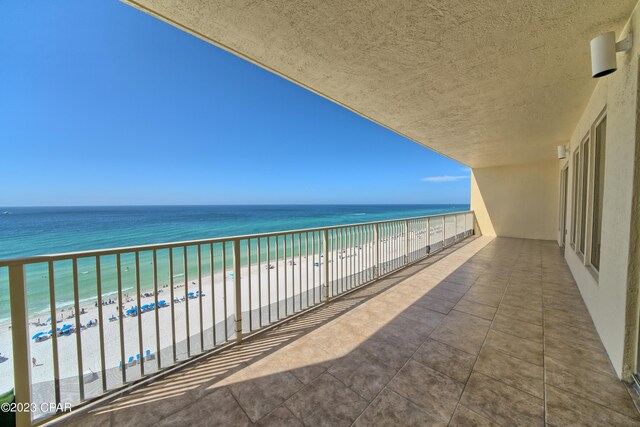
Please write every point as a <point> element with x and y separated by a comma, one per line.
<point>585,197</point>
<point>602,118</point>
<point>575,194</point>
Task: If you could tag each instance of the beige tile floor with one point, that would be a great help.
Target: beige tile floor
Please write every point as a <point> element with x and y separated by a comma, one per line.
<point>491,332</point>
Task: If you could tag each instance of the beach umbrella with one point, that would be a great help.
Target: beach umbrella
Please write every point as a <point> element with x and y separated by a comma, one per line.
<point>38,335</point>
<point>66,327</point>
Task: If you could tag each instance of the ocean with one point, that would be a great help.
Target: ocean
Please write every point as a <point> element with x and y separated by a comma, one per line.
<point>48,230</point>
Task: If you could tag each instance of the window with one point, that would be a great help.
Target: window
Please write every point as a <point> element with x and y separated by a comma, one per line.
<point>584,188</point>
<point>562,221</point>
<point>574,204</point>
<point>598,191</point>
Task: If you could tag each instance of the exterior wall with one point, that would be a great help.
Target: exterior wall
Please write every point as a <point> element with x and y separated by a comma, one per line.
<point>517,201</point>
<point>609,295</point>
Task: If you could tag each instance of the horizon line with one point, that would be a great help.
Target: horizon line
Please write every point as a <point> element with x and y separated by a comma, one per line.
<point>234,204</point>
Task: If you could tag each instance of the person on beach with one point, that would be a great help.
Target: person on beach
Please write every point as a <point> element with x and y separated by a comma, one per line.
<point>33,360</point>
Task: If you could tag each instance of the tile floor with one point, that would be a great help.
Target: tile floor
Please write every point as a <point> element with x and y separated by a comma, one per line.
<point>490,332</point>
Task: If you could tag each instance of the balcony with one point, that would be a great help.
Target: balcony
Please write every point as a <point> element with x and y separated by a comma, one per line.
<point>117,317</point>
<point>491,330</point>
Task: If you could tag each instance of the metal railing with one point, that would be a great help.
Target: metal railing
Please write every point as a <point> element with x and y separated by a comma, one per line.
<point>157,305</point>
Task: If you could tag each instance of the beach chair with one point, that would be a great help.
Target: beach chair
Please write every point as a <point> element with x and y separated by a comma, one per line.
<point>148,355</point>
<point>131,361</point>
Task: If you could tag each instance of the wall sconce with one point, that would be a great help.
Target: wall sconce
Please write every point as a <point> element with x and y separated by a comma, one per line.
<point>603,53</point>
<point>562,152</point>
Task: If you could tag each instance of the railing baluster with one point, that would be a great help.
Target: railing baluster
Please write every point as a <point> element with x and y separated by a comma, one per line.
<point>406,242</point>
<point>224,290</point>
<point>20,340</point>
<point>349,231</point>
<point>249,284</point>
<point>429,222</point>
<point>139,316</point>
<point>343,243</point>
<point>325,249</point>
<point>54,332</point>
<point>185,270</point>
<point>306,256</point>
<point>269,275</point>
<point>343,250</point>
<point>238,288</point>
<point>399,248</point>
<point>293,274</point>
<point>123,363</point>
<point>376,251</point>
<point>334,261</point>
<point>352,245</point>
<point>259,284</point>
<point>212,269</point>
<point>278,277</point>
<point>173,304</point>
<point>394,249</point>
<point>284,271</point>
<point>358,253</point>
<point>300,269</point>
<point>103,369</point>
<point>313,264</point>
<point>76,305</point>
<point>199,264</point>
<point>157,308</point>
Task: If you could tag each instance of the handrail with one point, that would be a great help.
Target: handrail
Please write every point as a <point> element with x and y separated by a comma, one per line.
<point>128,249</point>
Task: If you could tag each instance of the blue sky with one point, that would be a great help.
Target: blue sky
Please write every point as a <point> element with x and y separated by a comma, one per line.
<point>101,104</point>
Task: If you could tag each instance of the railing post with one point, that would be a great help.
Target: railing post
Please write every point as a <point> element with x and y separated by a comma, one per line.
<point>406,242</point>
<point>325,256</point>
<point>20,339</point>
<point>238,289</point>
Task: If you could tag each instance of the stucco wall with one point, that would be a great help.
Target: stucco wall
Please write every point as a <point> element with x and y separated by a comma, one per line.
<point>517,201</point>
<point>608,296</point>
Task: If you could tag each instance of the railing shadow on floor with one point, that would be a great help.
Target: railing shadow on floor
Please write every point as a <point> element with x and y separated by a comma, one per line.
<point>193,379</point>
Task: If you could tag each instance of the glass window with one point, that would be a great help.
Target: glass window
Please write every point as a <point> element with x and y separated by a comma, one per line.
<point>598,190</point>
<point>584,187</point>
<point>574,204</point>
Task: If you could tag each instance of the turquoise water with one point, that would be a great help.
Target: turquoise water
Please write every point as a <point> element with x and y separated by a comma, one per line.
<point>47,230</point>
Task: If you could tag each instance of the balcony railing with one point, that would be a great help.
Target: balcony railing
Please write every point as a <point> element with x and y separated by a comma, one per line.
<point>119,315</point>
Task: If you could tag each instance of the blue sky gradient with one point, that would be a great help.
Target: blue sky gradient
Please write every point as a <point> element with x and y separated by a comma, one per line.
<point>101,104</point>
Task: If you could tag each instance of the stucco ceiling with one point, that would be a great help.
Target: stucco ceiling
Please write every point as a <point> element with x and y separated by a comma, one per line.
<point>483,82</point>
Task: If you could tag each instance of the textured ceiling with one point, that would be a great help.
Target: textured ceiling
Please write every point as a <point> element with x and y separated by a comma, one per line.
<point>483,82</point>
